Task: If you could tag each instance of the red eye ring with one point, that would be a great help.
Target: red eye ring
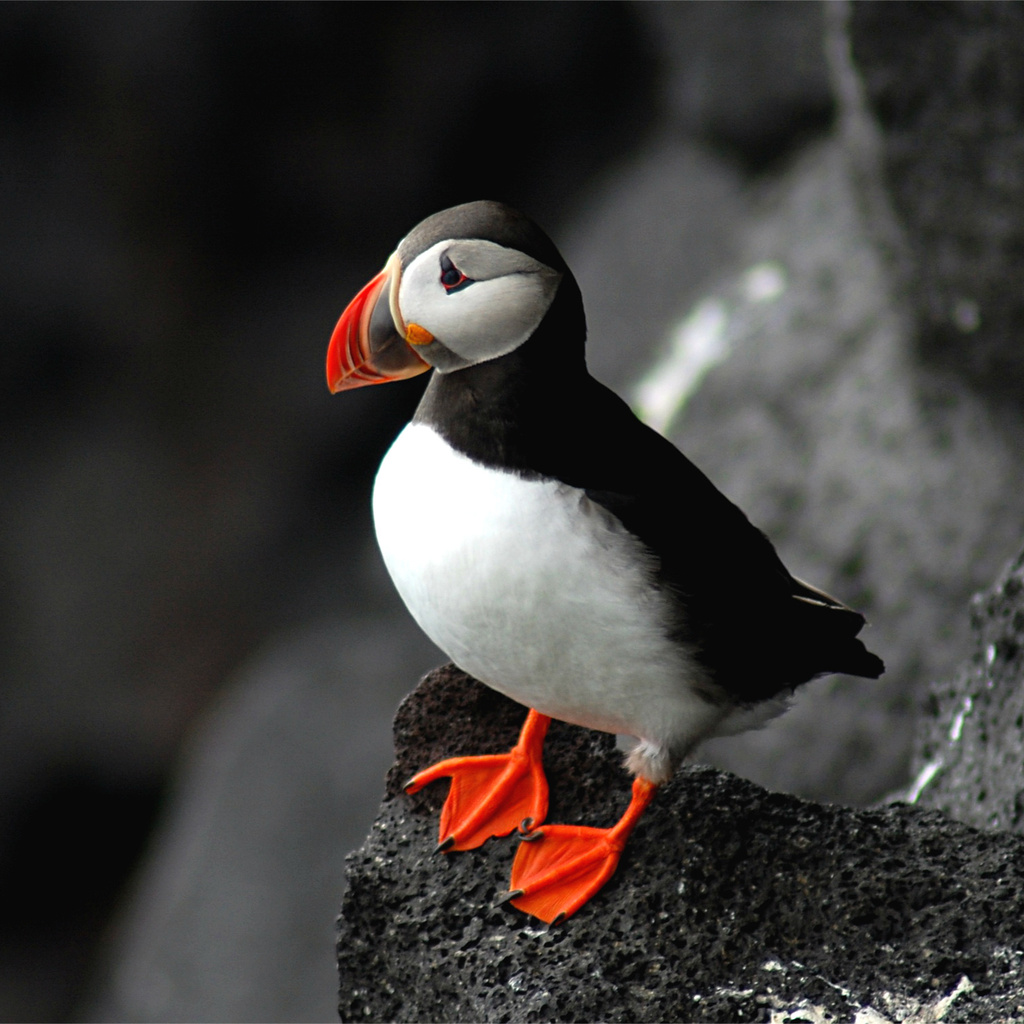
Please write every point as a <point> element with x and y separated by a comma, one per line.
<point>452,279</point>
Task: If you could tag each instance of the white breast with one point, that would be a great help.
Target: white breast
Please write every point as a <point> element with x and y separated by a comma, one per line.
<point>535,590</point>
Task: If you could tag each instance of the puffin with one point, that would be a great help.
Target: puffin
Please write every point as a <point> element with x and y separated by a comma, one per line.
<point>558,549</point>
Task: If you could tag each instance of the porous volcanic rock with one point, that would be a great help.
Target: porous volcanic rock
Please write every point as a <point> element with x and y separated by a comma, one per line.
<point>731,903</point>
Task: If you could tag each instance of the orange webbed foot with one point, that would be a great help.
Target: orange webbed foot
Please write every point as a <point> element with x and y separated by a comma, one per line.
<point>493,794</point>
<point>559,867</point>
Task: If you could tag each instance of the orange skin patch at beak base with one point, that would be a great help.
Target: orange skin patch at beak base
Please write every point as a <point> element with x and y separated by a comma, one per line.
<point>416,335</point>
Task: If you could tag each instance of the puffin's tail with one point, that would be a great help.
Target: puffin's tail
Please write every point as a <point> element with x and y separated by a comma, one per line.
<point>837,627</point>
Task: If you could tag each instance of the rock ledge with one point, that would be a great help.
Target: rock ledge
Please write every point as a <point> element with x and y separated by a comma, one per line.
<point>731,903</point>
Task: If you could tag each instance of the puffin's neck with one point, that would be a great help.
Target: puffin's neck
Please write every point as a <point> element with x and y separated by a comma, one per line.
<point>502,412</point>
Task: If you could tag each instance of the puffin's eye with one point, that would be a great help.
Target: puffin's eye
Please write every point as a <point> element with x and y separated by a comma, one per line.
<point>451,277</point>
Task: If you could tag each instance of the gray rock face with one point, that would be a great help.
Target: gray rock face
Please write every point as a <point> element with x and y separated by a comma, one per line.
<point>730,903</point>
<point>971,759</point>
<point>952,112</point>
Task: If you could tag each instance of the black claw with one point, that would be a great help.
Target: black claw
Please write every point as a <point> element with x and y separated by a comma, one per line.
<point>558,920</point>
<point>511,895</point>
<point>532,837</point>
<point>446,845</point>
<point>525,825</point>
<point>406,785</point>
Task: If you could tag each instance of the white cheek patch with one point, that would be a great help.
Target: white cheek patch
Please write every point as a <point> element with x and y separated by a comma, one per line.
<point>509,296</point>
<point>489,318</point>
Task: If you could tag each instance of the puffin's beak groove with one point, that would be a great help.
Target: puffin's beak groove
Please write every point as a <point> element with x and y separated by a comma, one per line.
<point>366,346</point>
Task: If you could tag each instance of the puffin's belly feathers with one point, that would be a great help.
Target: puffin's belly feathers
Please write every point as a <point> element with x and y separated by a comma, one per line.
<point>535,590</point>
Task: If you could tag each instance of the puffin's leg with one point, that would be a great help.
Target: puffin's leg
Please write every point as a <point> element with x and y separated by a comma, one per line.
<point>559,867</point>
<point>493,794</point>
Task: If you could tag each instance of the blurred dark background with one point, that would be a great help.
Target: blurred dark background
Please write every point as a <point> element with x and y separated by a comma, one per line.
<point>190,195</point>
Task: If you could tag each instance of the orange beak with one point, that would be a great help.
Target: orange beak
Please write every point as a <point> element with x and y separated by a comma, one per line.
<point>367,346</point>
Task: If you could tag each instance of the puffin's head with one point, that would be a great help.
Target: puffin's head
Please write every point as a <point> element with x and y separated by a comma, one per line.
<point>466,285</point>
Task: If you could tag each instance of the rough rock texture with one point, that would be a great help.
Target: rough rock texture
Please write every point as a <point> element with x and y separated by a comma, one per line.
<point>971,758</point>
<point>730,903</point>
